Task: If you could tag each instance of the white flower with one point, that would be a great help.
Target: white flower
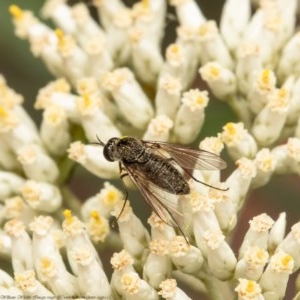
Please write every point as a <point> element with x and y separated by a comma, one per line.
<point>189,13</point>
<point>132,232</point>
<point>28,284</point>
<point>16,208</point>
<point>107,10</point>
<point>167,98</point>
<point>10,184</point>
<point>263,84</point>
<point>36,164</point>
<point>221,259</point>
<point>275,278</point>
<point>288,63</point>
<point>186,258</point>
<point>190,116</point>
<point>221,80</point>
<point>57,94</point>
<point>265,165</point>
<point>258,233</point>
<point>97,227</point>
<point>136,288</point>
<point>238,141</point>
<point>248,65</point>
<point>5,245</point>
<point>72,56</point>
<point>248,290</point>
<point>212,46</point>
<point>239,182</point>
<point>122,263</point>
<point>277,232</point>
<point>93,119</point>
<point>269,123</point>
<point>252,264</point>
<point>57,277</point>
<point>44,244</point>
<point>91,277</point>
<point>157,266</point>
<point>91,157</point>
<point>129,96</point>
<point>146,57</point>
<point>169,290</point>
<point>177,67</point>
<point>203,219</point>
<point>158,129</point>
<point>159,229</point>
<point>61,14</point>
<point>41,196</point>
<point>103,202</point>
<point>291,245</point>
<point>5,279</point>
<point>22,257</point>
<point>287,156</point>
<point>232,25</point>
<point>75,237</point>
<point>55,130</point>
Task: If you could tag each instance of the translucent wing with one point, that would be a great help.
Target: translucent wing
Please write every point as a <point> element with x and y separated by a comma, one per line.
<point>163,204</point>
<point>189,158</point>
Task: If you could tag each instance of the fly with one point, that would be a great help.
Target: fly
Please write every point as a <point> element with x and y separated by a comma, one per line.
<point>154,169</point>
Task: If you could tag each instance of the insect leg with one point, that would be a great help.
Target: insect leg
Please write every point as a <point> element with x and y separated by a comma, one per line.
<point>206,184</point>
<point>125,189</point>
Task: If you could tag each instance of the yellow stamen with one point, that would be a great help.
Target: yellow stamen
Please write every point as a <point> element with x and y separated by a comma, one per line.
<point>68,216</point>
<point>16,11</point>
<point>60,36</point>
<point>230,128</point>
<point>265,77</point>
<point>111,196</point>
<point>86,100</point>
<point>250,286</point>
<point>214,71</point>
<point>200,100</point>
<point>286,260</point>
<point>3,113</point>
<point>282,93</point>
<point>146,3</point>
<point>175,48</point>
<point>95,216</point>
<point>46,262</point>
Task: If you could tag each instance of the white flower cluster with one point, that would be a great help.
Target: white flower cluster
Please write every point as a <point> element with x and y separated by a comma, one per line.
<point>112,80</point>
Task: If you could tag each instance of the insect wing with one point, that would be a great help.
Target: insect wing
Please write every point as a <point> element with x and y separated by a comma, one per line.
<point>189,158</point>
<point>163,204</point>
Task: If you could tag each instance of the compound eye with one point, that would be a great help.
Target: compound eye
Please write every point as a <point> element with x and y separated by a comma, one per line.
<point>107,152</point>
<point>110,150</point>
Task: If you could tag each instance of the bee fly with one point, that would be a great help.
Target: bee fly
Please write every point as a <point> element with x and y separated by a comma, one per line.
<point>154,167</point>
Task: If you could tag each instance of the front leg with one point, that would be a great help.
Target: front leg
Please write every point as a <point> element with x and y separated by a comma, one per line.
<point>123,173</point>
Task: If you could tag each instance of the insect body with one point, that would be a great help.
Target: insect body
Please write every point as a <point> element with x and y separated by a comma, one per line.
<point>137,156</point>
<point>155,168</point>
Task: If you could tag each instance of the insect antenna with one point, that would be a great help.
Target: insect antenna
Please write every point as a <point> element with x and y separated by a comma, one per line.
<point>98,143</point>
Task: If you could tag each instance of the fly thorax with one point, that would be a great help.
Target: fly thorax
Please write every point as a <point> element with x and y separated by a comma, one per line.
<point>131,150</point>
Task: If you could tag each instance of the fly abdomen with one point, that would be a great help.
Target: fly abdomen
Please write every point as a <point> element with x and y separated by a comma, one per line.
<point>163,174</point>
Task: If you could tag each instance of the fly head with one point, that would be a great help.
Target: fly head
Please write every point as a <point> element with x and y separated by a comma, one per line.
<point>110,150</point>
